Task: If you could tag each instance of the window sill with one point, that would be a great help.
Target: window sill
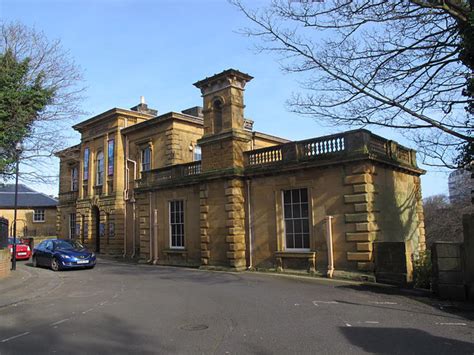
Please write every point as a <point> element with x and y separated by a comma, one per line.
<point>39,221</point>
<point>295,254</point>
<point>310,256</point>
<point>177,251</point>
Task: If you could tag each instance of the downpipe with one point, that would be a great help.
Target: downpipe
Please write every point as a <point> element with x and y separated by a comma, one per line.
<point>155,234</point>
<point>329,242</point>
<point>249,208</point>
<point>150,230</point>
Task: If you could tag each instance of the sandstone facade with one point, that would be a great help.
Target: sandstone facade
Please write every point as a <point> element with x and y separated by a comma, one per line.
<point>208,191</point>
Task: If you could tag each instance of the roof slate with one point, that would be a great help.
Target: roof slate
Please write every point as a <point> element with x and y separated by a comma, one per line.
<point>26,197</point>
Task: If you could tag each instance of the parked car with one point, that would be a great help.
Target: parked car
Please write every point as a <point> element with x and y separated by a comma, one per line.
<point>23,251</point>
<point>59,254</point>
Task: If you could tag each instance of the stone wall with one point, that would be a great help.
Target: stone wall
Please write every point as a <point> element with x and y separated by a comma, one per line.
<point>326,191</point>
<point>391,263</point>
<point>25,225</point>
<point>468,227</point>
<point>5,263</point>
<point>448,278</point>
<point>153,218</point>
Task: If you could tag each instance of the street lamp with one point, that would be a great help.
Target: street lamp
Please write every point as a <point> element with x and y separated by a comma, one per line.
<point>18,149</point>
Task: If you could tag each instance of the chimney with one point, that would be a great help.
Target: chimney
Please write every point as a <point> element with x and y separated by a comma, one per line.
<point>142,107</point>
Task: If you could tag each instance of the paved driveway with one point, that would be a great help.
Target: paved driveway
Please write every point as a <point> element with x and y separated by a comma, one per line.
<point>127,308</point>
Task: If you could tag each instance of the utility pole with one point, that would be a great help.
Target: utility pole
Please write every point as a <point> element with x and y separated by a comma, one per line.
<point>17,167</point>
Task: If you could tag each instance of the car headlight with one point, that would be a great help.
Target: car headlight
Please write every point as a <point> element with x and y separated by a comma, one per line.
<point>92,255</point>
<point>65,256</point>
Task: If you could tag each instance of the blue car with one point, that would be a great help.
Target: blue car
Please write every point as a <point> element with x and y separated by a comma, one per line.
<point>59,254</point>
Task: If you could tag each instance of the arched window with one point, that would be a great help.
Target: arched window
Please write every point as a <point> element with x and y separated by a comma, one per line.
<point>217,108</point>
<point>100,169</point>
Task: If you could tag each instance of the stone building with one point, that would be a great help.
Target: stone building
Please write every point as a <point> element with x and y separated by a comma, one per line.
<point>36,212</point>
<point>201,188</point>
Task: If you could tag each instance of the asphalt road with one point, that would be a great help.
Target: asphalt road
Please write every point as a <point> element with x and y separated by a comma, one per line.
<point>126,308</point>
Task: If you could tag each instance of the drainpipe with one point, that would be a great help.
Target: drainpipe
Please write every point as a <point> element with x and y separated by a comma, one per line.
<point>150,229</point>
<point>132,200</point>
<point>330,246</point>
<point>155,234</point>
<point>249,208</point>
<point>127,198</point>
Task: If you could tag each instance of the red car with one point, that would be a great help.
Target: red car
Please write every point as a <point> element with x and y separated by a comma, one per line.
<point>23,251</point>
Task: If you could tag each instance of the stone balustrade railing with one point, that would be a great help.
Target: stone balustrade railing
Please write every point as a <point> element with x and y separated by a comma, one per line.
<point>169,172</point>
<point>66,197</point>
<point>336,146</point>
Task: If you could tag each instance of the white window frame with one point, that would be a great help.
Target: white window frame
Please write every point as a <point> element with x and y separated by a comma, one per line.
<point>75,178</point>
<point>72,225</point>
<point>182,202</point>
<point>39,215</point>
<point>197,152</point>
<point>145,163</point>
<point>285,244</point>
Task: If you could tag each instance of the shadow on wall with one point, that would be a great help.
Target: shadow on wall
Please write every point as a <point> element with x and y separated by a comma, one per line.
<point>398,239</point>
<point>398,201</point>
<point>402,341</point>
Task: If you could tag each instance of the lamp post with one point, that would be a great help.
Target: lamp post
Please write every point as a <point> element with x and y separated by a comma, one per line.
<point>17,165</point>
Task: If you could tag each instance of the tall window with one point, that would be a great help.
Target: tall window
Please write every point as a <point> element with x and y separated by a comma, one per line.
<point>177,224</point>
<point>217,106</point>
<point>38,215</point>
<point>197,153</point>
<point>74,179</point>
<point>100,169</point>
<point>72,226</point>
<point>86,164</point>
<point>146,159</point>
<point>296,215</point>
<point>110,157</point>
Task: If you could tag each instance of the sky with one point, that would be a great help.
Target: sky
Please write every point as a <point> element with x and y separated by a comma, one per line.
<point>159,48</point>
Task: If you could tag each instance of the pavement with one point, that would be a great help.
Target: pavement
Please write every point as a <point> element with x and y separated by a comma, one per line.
<point>26,283</point>
<point>123,308</point>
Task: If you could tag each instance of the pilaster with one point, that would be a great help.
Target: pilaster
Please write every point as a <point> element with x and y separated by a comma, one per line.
<point>235,223</point>
<point>361,221</point>
<point>204,223</point>
<point>173,147</point>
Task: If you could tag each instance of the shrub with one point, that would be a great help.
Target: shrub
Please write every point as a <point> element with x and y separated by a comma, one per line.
<point>422,270</point>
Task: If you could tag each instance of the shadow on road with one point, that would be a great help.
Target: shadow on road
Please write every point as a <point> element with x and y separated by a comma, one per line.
<point>454,309</point>
<point>107,335</point>
<point>402,341</point>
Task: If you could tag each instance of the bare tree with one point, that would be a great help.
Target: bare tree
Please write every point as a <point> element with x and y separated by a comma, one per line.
<point>48,59</point>
<point>399,64</point>
<point>443,220</point>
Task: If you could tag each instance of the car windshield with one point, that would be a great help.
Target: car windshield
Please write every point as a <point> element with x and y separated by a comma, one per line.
<point>68,244</point>
<point>10,241</point>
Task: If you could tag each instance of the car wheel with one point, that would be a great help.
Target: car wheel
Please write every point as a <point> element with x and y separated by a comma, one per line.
<point>34,261</point>
<point>55,264</point>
